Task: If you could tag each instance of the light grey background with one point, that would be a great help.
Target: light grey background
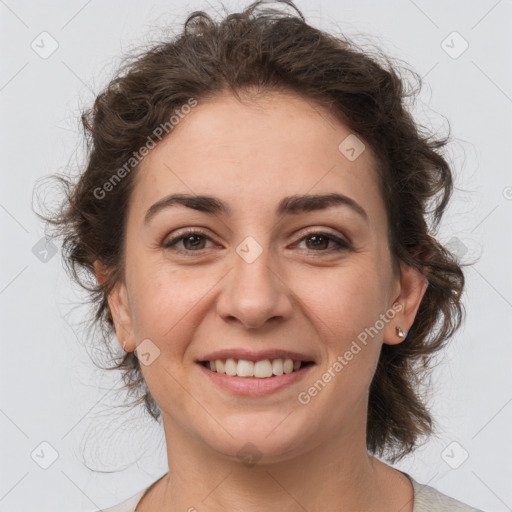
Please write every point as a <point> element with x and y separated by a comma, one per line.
<point>50,391</point>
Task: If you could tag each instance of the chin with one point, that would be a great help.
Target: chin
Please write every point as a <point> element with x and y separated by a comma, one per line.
<point>267,441</point>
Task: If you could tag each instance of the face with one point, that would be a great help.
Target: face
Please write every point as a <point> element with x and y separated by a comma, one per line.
<point>253,277</point>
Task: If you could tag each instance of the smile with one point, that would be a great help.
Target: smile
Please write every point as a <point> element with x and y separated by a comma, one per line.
<point>262,369</point>
<point>251,385</point>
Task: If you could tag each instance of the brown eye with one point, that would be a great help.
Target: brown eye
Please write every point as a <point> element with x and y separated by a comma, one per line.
<point>320,242</point>
<point>192,241</point>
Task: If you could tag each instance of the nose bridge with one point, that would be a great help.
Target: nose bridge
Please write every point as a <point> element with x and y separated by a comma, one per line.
<point>254,292</point>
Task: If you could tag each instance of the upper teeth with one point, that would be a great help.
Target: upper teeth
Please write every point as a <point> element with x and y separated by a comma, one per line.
<point>258,369</point>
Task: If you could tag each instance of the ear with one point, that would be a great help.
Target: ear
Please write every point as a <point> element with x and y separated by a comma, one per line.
<point>120,310</point>
<point>412,286</point>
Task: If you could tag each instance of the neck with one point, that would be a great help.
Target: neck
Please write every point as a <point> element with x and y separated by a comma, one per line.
<point>336,474</point>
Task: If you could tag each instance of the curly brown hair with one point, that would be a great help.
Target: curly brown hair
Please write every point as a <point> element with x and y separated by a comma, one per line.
<point>266,49</point>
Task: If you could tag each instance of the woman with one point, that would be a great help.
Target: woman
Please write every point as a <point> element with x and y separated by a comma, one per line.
<point>255,211</point>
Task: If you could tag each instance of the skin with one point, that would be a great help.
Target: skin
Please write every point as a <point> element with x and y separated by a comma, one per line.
<point>295,295</point>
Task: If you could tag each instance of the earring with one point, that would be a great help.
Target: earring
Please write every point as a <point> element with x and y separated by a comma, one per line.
<point>400,333</point>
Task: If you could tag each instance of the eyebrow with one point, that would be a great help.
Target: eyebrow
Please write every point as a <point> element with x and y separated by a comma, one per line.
<point>287,206</point>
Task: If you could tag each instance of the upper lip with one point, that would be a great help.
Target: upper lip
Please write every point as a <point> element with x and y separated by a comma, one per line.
<point>240,353</point>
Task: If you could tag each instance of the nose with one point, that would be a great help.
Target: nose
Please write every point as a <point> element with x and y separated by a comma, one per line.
<point>255,293</point>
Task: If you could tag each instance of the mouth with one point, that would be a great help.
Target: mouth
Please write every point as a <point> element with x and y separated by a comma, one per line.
<point>260,378</point>
<point>260,369</point>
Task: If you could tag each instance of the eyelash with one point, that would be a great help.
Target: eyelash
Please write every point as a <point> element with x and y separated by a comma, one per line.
<point>342,244</point>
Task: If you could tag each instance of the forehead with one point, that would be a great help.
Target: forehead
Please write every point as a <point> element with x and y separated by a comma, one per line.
<point>253,153</point>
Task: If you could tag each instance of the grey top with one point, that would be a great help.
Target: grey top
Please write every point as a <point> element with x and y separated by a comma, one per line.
<point>426,499</point>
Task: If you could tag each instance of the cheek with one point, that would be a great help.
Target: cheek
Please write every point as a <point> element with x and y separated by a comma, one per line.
<point>345,300</point>
<point>344,305</point>
<point>167,301</point>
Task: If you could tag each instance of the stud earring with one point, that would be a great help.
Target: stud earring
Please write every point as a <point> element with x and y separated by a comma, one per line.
<point>400,333</point>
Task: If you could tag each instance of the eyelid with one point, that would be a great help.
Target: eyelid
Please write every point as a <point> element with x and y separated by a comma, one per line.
<point>180,234</point>
<point>342,243</point>
<point>323,230</point>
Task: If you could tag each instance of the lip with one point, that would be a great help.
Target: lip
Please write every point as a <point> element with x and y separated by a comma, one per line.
<point>254,386</point>
<point>240,353</point>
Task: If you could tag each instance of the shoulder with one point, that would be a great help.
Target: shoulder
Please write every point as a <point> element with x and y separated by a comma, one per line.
<point>428,499</point>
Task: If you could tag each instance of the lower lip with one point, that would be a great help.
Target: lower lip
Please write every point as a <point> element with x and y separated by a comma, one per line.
<point>252,385</point>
